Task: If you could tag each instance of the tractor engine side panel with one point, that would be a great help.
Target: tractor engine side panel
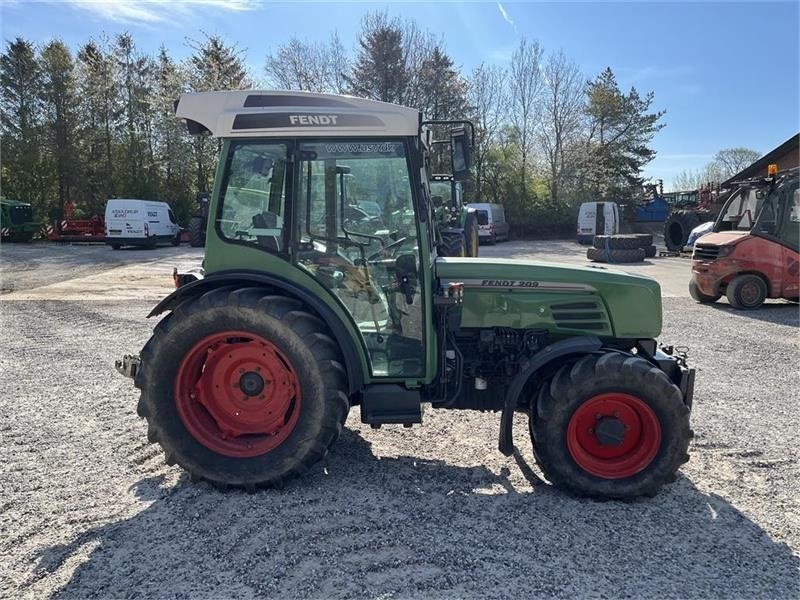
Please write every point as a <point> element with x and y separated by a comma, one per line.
<point>557,313</point>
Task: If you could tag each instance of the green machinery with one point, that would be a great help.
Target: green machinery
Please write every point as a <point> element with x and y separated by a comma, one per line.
<point>16,221</point>
<point>458,224</point>
<point>324,288</point>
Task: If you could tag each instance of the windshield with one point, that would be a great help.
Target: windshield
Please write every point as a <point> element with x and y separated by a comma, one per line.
<point>742,209</point>
<point>440,193</point>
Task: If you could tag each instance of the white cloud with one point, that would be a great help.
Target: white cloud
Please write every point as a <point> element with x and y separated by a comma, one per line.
<point>505,16</point>
<point>155,11</point>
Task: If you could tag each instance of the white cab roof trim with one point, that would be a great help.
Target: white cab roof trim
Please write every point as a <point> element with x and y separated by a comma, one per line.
<point>270,113</point>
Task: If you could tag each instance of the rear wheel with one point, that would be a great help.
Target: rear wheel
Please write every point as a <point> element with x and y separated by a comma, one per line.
<point>176,241</point>
<point>610,425</point>
<point>699,296</point>
<point>746,292</point>
<point>197,231</point>
<point>242,388</point>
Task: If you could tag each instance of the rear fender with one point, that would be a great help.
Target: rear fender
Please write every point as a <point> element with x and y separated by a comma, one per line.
<point>193,289</point>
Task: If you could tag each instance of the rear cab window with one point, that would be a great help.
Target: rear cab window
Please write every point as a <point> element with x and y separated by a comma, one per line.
<point>252,208</point>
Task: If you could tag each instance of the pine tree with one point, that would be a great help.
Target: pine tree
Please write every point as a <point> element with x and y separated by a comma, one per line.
<point>99,115</point>
<point>20,86</point>
<point>60,104</point>
<point>621,128</point>
<point>379,71</point>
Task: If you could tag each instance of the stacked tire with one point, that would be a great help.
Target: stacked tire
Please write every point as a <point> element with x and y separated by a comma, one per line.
<point>680,224</point>
<point>628,248</point>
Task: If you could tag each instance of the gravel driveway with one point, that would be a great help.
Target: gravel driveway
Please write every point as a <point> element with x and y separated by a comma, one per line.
<point>89,509</point>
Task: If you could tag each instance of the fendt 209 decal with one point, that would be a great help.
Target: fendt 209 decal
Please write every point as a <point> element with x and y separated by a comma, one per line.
<point>524,284</point>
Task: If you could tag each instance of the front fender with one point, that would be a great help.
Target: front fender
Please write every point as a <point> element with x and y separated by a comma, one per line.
<point>582,344</point>
<point>343,336</point>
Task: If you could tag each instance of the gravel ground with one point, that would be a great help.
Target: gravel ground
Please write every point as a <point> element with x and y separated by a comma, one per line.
<point>89,509</point>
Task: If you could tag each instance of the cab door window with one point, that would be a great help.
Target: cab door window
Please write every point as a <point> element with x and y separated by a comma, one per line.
<point>357,235</point>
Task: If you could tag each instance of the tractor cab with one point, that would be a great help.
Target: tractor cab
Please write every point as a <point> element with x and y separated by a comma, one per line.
<point>752,253</point>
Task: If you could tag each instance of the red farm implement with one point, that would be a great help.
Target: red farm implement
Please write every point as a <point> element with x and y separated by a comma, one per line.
<point>70,229</point>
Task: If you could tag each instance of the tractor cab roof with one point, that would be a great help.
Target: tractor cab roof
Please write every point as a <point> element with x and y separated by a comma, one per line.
<point>262,113</point>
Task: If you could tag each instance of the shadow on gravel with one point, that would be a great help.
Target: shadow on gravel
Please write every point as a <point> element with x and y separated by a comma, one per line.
<point>408,527</point>
<point>777,312</point>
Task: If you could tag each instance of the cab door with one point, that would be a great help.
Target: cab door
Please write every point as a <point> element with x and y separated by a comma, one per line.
<point>356,233</point>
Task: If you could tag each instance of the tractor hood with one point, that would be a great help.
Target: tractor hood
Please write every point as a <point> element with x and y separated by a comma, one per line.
<point>722,238</point>
<point>564,299</point>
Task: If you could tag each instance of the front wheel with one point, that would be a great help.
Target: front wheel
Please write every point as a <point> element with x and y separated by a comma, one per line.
<point>698,296</point>
<point>610,425</point>
<point>746,292</point>
<point>242,388</point>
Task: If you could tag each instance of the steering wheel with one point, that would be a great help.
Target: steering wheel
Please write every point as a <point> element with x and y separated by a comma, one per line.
<point>382,251</point>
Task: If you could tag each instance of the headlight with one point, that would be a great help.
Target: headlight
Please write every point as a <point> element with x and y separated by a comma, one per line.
<point>726,250</point>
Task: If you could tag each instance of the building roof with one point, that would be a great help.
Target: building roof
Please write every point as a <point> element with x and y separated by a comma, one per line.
<point>270,113</point>
<point>762,163</point>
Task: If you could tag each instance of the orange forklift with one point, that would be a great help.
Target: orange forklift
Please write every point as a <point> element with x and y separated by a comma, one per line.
<point>753,252</point>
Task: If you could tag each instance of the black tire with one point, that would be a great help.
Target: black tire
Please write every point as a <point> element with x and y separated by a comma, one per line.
<point>471,235</point>
<point>452,244</point>
<point>573,385</point>
<point>299,335</point>
<point>678,227</point>
<point>645,239</point>
<point>615,256</point>
<point>616,242</point>
<point>151,243</point>
<point>585,239</point>
<point>176,241</point>
<point>115,246</point>
<point>699,296</point>
<point>197,231</point>
<point>650,251</point>
<point>746,292</point>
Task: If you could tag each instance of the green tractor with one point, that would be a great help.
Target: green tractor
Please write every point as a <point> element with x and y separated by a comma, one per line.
<point>457,224</point>
<point>16,221</point>
<point>323,290</point>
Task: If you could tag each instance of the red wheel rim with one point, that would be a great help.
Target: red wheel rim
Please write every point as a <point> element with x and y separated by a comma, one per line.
<point>237,394</point>
<point>613,435</point>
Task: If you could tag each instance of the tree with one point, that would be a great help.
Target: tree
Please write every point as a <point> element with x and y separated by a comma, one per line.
<point>379,71</point>
<point>730,161</point>
<point>99,114</point>
<point>136,152</point>
<point>60,106</point>
<point>488,99</point>
<point>214,65</point>
<point>314,67</point>
<point>621,128</point>
<point>445,94</point>
<point>562,116</point>
<point>20,85</point>
<point>173,151</point>
<point>526,84</point>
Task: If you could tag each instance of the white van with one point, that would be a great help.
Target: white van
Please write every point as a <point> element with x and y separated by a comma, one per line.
<point>597,218</point>
<point>131,222</point>
<point>492,224</point>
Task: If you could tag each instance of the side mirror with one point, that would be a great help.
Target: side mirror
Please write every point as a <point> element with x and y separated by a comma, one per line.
<point>461,153</point>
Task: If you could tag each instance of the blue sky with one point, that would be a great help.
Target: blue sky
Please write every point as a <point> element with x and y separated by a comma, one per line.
<point>727,73</point>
